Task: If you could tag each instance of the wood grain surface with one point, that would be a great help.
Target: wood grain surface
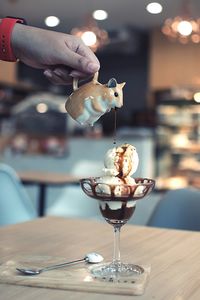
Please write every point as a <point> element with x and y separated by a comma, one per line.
<point>173,255</point>
<point>74,278</point>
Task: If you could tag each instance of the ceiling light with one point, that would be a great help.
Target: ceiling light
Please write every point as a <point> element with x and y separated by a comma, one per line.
<point>197,97</point>
<point>89,38</point>
<point>183,28</point>
<point>100,14</point>
<point>154,8</point>
<point>91,34</point>
<point>52,21</point>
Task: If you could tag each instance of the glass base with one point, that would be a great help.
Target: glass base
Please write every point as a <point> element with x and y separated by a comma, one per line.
<point>112,271</point>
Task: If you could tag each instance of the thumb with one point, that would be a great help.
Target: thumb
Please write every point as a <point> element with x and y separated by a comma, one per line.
<point>80,62</point>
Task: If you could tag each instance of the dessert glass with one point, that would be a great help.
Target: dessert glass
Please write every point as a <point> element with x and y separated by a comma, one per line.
<point>117,204</point>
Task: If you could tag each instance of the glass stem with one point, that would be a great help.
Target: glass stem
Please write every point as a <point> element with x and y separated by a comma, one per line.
<point>116,254</point>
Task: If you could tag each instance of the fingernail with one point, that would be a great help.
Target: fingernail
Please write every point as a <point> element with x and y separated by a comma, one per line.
<point>58,73</point>
<point>92,67</point>
<point>74,74</point>
<point>48,73</point>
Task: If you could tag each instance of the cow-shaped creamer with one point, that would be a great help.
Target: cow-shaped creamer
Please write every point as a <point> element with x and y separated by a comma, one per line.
<point>92,100</point>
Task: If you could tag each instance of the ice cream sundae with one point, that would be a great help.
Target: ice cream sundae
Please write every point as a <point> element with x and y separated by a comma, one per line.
<point>117,192</point>
<point>120,163</point>
<point>116,189</point>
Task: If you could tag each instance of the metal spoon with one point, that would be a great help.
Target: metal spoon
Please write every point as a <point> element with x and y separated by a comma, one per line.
<point>92,258</point>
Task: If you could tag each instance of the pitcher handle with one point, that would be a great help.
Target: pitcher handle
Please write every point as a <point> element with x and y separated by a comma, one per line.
<point>75,81</point>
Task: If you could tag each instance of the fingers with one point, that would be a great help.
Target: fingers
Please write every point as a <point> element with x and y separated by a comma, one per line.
<point>78,74</point>
<point>55,78</point>
<point>66,73</point>
<point>80,57</point>
<point>75,59</point>
<point>85,51</point>
<point>62,75</point>
<point>82,64</point>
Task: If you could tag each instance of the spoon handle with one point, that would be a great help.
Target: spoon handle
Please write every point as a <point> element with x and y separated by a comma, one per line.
<point>62,265</point>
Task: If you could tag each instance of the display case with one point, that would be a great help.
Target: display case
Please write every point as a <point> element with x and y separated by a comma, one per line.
<point>178,141</point>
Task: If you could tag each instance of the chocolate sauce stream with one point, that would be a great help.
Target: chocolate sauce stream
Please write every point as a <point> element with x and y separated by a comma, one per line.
<point>115,126</point>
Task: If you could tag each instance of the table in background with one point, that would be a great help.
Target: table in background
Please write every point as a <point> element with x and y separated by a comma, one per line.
<point>174,256</point>
<point>43,180</point>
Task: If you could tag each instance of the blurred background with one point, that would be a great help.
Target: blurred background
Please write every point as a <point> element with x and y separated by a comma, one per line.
<point>154,48</point>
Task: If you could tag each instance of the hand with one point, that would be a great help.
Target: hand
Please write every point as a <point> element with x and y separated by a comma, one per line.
<point>61,56</point>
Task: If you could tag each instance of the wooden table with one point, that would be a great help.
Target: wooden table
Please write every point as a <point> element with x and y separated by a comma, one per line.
<point>43,180</point>
<point>174,256</point>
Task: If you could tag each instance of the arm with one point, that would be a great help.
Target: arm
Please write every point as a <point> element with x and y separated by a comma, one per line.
<point>61,56</point>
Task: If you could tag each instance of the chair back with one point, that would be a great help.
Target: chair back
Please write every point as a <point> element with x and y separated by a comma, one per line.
<point>15,204</point>
<point>178,209</point>
<point>72,202</point>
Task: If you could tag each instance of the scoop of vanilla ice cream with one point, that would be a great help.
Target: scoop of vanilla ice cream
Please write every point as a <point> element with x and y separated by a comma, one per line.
<point>105,184</point>
<point>121,161</point>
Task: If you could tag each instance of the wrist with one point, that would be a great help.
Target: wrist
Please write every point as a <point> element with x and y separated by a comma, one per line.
<point>6,31</point>
<point>17,38</point>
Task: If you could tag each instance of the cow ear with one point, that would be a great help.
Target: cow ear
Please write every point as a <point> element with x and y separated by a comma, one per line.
<point>112,83</point>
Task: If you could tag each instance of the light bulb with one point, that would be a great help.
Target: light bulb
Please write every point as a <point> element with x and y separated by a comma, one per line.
<point>41,108</point>
<point>154,8</point>
<point>52,21</point>
<point>100,14</point>
<point>184,28</point>
<point>197,97</point>
<point>89,38</point>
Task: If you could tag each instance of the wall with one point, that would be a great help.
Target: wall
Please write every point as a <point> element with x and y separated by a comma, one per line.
<point>171,63</point>
<point>8,72</point>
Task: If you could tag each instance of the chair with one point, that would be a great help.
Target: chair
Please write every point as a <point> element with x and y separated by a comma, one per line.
<point>178,209</point>
<point>72,202</point>
<point>15,205</point>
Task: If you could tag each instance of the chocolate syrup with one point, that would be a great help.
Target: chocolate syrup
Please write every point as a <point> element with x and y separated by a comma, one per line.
<point>120,155</point>
<point>114,216</point>
<point>129,193</point>
<point>120,162</point>
<point>115,126</point>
